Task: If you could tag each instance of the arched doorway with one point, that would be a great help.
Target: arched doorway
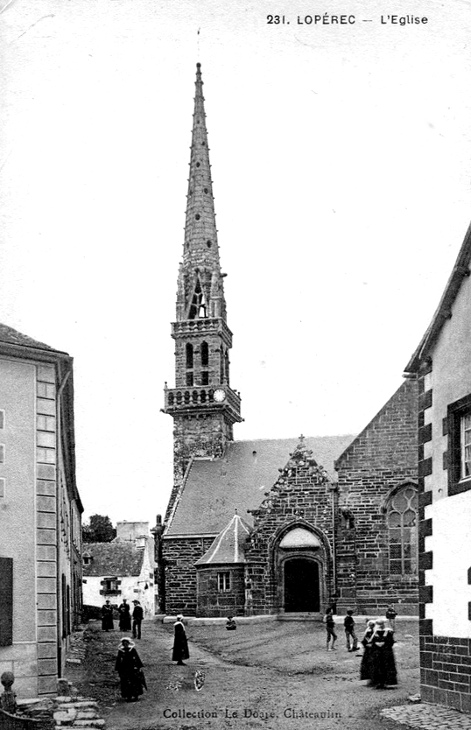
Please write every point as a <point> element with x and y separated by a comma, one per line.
<point>301,585</point>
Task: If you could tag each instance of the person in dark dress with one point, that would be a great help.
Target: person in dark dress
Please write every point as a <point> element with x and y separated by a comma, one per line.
<point>231,624</point>
<point>383,665</point>
<point>180,643</point>
<point>137,616</point>
<point>129,667</point>
<point>329,622</point>
<point>350,635</point>
<point>107,617</point>
<point>365,666</point>
<point>124,611</point>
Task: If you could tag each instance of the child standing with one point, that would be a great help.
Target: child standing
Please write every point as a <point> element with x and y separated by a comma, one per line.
<point>391,616</point>
<point>349,625</point>
<point>330,627</point>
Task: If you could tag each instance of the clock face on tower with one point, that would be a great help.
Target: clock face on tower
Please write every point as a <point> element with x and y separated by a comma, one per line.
<point>219,395</point>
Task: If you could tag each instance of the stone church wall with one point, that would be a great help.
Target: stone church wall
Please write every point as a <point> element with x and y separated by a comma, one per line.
<point>181,555</point>
<point>381,459</point>
<point>301,497</point>
<point>212,602</point>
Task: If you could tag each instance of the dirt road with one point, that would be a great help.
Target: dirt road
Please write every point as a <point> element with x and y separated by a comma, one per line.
<point>271,675</point>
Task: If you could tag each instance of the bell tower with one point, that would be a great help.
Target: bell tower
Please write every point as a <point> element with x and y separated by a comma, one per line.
<point>202,403</point>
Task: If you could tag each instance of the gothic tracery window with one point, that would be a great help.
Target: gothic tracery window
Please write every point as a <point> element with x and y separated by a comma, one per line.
<point>402,524</point>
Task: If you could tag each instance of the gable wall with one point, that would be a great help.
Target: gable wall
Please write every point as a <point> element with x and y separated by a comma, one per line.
<point>301,496</point>
<point>380,459</point>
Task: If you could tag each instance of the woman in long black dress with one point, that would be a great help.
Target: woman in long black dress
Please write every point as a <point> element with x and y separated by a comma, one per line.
<point>124,611</point>
<point>365,666</point>
<point>129,667</point>
<point>107,616</point>
<point>180,643</point>
<point>383,665</point>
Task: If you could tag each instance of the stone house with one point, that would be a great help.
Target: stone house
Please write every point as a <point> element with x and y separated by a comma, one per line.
<point>122,568</point>
<point>263,526</point>
<point>40,513</point>
<point>442,363</point>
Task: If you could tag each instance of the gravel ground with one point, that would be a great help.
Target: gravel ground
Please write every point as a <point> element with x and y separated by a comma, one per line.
<point>270,675</point>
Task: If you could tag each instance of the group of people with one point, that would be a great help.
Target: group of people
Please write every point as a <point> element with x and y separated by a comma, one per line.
<point>378,665</point>
<point>128,663</point>
<point>124,611</point>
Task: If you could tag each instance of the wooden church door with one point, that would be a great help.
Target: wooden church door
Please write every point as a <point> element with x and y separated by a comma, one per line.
<point>301,585</point>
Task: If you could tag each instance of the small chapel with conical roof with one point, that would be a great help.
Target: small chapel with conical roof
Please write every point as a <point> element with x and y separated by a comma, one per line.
<point>273,526</point>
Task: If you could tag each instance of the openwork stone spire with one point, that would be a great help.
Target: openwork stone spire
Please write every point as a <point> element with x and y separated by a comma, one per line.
<point>200,287</point>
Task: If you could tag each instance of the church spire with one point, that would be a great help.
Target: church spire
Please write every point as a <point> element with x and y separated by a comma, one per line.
<point>203,404</point>
<point>200,286</point>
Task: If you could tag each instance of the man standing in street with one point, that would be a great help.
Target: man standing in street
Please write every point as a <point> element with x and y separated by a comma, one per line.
<point>137,616</point>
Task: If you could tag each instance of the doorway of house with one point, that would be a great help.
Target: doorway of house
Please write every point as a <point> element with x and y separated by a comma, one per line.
<point>301,586</point>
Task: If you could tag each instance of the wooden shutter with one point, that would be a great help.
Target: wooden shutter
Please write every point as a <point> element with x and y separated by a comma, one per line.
<point>6,601</point>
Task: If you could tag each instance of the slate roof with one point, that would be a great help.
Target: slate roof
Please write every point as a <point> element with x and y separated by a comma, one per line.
<point>228,547</point>
<point>215,489</point>
<point>13,337</point>
<point>120,558</point>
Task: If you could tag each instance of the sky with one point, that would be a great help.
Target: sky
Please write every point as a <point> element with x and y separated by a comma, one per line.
<point>341,162</point>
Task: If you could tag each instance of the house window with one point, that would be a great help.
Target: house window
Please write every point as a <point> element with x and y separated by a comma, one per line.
<point>110,585</point>
<point>465,446</point>
<point>2,453</point>
<point>224,582</point>
<point>459,446</point>
<point>2,419</point>
<point>87,559</point>
<point>402,524</point>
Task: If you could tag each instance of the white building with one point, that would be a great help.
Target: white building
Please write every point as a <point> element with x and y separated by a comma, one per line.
<point>123,568</point>
<point>442,363</point>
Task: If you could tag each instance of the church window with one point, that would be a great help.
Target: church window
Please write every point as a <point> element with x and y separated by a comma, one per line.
<point>197,216</point>
<point>204,377</point>
<point>198,307</point>
<point>197,164</point>
<point>2,419</point>
<point>189,356</point>
<point>189,379</point>
<point>209,244</point>
<point>204,354</point>
<point>224,582</point>
<point>2,453</point>
<point>2,488</point>
<point>402,524</point>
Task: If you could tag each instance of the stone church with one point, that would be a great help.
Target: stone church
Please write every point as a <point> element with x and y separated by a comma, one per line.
<point>279,526</point>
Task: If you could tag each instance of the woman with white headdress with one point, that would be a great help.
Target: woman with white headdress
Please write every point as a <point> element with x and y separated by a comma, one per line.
<point>129,667</point>
<point>180,643</point>
<point>383,665</point>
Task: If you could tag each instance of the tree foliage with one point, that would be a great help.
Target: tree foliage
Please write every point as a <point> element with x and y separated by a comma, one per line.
<point>99,529</point>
